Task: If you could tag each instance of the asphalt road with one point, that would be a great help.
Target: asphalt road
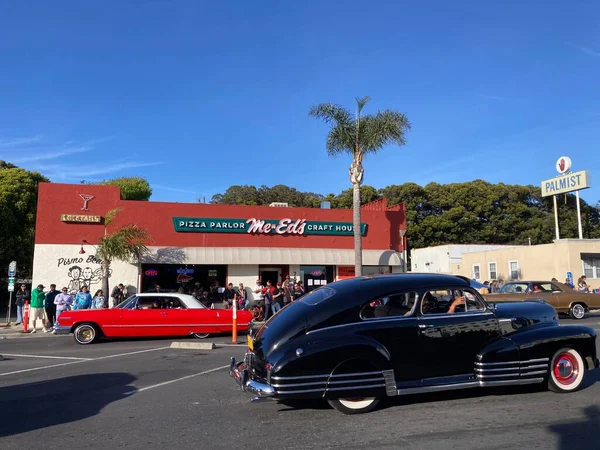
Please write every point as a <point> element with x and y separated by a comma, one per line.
<point>143,394</point>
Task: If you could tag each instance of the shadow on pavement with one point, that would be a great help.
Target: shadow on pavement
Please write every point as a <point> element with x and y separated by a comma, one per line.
<point>580,434</point>
<point>33,406</point>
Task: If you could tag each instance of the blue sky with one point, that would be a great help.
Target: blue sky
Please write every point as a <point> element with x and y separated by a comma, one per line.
<point>196,95</point>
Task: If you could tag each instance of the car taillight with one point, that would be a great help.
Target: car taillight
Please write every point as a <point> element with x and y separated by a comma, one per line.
<point>268,367</point>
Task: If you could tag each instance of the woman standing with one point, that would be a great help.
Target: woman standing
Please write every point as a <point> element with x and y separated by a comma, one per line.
<point>98,302</point>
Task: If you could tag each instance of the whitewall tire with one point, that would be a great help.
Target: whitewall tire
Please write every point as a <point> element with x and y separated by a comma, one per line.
<point>577,311</point>
<point>200,335</point>
<point>567,370</point>
<point>354,405</point>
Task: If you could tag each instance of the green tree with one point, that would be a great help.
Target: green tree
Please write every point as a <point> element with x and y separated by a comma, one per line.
<point>359,135</point>
<point>132,188</point>
<point>127,243</point>
<point>346,197</point>
<point>238,195</point>
<point>18,205</point>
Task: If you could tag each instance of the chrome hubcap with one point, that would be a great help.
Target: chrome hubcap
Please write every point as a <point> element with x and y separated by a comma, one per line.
<point>578,311</point>
<point>565,368</point>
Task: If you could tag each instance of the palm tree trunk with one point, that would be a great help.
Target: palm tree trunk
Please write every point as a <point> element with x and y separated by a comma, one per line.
<point>357,230</point>
<point>105,269</point>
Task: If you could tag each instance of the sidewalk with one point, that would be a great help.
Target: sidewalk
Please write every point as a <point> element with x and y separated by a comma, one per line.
<point>12,331</point>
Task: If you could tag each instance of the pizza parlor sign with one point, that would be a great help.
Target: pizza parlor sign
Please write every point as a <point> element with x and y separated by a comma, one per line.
<point>285,226</point>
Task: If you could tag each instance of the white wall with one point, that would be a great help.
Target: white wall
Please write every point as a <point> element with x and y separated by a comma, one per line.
<point>58,264</point>
<point>441,258</point>
<point>243,273</point>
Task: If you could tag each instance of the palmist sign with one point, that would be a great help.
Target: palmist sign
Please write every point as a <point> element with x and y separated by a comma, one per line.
<point>285,226</point>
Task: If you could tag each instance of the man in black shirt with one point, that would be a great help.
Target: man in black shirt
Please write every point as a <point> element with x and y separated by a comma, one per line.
<point>50,308</point>
<point>230,295</point>
<point>278,297</point>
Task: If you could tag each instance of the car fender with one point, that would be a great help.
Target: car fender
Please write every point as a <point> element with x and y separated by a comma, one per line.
<point>543,342</point>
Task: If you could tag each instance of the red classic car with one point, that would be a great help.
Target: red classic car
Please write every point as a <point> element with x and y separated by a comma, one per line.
<point>148,315</point>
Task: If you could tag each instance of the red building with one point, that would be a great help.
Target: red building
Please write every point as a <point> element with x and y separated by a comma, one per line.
<point>201,243</point>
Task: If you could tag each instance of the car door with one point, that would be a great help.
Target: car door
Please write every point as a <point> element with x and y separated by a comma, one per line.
<point>552,294</point>
<point>147,318</point>
<point>393,324</point>
<point>450,341</point>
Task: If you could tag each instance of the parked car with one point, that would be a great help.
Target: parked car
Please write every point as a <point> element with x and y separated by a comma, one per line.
<point>148,315</point>
<point>564,298</point>
<point>356,341</point>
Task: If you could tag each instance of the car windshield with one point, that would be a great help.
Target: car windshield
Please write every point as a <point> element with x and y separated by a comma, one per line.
<point>128,304</point>
<point>317,296</point>
<point>514,288</point>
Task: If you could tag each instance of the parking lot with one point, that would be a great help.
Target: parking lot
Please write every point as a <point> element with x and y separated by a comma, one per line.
<point>145,394</point>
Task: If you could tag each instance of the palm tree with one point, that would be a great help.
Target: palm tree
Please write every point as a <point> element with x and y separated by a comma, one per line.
<point>359,135</point>
<point>126,244</point>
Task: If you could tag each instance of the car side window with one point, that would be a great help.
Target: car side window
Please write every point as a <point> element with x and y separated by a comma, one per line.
<point>450,301</point>
<point>173,303</point>
<point>150,303</point>
<point>400,304</point>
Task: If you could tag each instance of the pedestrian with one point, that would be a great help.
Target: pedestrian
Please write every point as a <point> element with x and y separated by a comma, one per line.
<point>229,296</point>
<point>99,301</point>
<point>277,303</point>
<point>21,297</point>
<point>38,297</point>
<point>83,299</point>
<point>268,296</point>
<point>63,302</point>
<point>242,297</point>
<point>117,295</point>
<point>50,308</point>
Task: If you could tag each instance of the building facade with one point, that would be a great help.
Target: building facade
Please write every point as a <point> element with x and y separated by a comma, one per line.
<point>442,258</point>
<point>205,243</point>
<point>537,262</point>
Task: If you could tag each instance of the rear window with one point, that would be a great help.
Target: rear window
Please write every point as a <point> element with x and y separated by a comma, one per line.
<point>317,296</point>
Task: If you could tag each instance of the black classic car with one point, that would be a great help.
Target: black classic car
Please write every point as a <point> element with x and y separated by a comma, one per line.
<point>356,341</point>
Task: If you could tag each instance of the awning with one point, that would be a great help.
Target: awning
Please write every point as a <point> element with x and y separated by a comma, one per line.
<point>270,255</point>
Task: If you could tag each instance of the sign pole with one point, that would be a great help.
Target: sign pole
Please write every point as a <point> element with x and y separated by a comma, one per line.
<point>579,227</point>
<point>9,305</point>
<point>556,218</point>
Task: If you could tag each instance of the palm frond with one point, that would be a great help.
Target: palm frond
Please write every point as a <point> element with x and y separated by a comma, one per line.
<point>110,215</point>
<point>342,135</point>
<point>126,244</point>
<point>361,102</point>
<point>383,129</point>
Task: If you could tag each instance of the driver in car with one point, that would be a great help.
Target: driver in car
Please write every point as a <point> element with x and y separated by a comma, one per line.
<point>429,304</point>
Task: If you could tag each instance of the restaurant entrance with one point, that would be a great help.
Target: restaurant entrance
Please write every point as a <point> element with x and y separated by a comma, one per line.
<point>171,277</point>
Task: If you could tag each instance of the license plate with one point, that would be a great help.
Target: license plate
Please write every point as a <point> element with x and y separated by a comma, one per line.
<point>250,343</point>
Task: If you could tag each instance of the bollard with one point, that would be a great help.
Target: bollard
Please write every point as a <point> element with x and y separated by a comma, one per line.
<point>26,317</point>
<point>234,316</point>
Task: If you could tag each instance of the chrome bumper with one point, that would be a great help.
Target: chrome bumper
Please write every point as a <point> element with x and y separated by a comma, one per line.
<point>240,374</point>
<point>62,329</point>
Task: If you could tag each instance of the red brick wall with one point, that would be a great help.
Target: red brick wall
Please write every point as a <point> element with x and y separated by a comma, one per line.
<point>55,199</point>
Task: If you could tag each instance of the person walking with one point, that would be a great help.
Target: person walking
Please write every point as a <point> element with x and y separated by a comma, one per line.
<point>50,308</point>
<point>21,297</point>
<point>116,296</point>
<point>38,297</point>
<point>62,301</point>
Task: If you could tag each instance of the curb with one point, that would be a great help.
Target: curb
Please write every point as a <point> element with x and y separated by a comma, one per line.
<point>194,345</point>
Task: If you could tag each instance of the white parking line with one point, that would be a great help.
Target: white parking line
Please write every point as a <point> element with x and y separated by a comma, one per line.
<point>176,380</point>
<point>39,368</point>
<point>44,356</point>
<point>81,361</point>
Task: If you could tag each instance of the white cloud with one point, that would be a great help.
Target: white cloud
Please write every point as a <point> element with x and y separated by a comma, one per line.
<point>588,51</point>
<point>52,155</point>
<point>19,142</point>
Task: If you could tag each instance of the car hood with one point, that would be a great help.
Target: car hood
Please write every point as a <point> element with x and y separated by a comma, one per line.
<point>516,315</point>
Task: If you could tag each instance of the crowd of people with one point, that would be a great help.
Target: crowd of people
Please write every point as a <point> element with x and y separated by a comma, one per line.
<point>46,306</point>
<point>267,298</point>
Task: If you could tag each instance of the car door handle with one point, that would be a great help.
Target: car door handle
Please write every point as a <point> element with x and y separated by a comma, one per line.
<point>421,325</point>
<point>164,313</point>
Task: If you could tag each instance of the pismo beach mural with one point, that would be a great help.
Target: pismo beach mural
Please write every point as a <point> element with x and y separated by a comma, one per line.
<point>81,272</point>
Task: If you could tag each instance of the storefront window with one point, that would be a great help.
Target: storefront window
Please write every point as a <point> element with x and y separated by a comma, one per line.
<point>316,276</point>
<point>171,277</point>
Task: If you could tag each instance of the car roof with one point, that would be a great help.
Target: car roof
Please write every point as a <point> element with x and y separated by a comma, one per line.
<point>404,280</point>
<point>188,300</point>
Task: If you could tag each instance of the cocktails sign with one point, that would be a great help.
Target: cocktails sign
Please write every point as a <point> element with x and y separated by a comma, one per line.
<point>285,226</point>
